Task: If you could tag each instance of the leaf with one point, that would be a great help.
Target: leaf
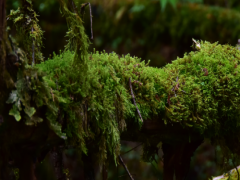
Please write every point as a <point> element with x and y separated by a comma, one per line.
<point>173,3</point>
<point>12,98</point>
<point>29,1</point>
<point>137,8</point>
<point>33,120</point>
<point>14,112</point>
<point>29,111</point>
<point>164,3</point>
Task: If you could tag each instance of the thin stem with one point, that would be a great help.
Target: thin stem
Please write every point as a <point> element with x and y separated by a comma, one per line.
<point>132,149</point>
<point>125,175</point>
<point>125,167</point>
<point>33,61</point>
<point>90,10</point>
<point>74,7</point>
<point>134,101</point>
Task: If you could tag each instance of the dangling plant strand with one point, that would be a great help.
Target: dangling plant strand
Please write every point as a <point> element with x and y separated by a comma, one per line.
<point>29,32</point>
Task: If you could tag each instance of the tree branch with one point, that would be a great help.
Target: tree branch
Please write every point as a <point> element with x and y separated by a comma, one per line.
<point>90,10</point>
<point>125,167</point>
<point>33,47</point>
<point>134,101</point>
<point>132,149</point>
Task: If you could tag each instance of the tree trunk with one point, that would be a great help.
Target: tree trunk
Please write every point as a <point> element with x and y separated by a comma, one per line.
<point>89,173</point>
<point>177,159</point>
<point>2,35</point>
<point>57,159</point>
<point>26,166</point>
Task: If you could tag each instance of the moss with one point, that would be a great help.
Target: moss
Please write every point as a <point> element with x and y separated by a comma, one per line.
<point>230,175</point>
<point>28,30</point>
<point>86,97</point>
<point>199,91</point>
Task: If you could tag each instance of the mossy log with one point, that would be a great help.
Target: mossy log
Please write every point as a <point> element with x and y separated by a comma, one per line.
<point>233,174</point>
<point>195,97</point>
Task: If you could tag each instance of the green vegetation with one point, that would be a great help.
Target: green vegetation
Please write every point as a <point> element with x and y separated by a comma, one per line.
<point>86,100</point>
<point>200,90</point>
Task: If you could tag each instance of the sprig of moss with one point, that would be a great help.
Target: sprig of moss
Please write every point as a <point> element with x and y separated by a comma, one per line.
<point>28,30</point>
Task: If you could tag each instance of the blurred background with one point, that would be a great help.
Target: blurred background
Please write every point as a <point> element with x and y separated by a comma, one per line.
<point>156,30</point>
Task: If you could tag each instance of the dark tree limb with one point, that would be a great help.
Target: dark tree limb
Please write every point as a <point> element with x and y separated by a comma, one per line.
<point>26,165</point>
<point>132,149</point>
<point>89,173</point>
<point>125,167</point>
<point>177,159</point>
<point>90,9</point>
<point>2,30</point>
<point>2,18</point>
<point>104,173</point>
<point>134,100</point>
<point>57,159</point>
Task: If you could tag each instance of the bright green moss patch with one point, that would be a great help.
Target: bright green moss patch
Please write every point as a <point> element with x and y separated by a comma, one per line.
<point>200,91</point>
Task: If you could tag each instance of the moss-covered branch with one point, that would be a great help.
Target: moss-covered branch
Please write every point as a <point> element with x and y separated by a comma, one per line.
<point>85,98</point>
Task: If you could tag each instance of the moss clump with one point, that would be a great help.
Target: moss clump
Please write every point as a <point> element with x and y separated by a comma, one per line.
<point>199,91</point>
<point>30,33</point>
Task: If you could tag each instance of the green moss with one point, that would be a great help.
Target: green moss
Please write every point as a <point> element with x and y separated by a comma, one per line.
<point>199,91</point>
<point>86,97</point>
<point>28,31</point>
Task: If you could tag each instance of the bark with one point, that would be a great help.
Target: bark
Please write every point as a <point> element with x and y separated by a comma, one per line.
<point>104,173</point>
<point>4,170</point>
<point>89,173</point>
<point>57,159</point>
<point>2,34</point>
<point>177,159</point>
<point>26,166</point>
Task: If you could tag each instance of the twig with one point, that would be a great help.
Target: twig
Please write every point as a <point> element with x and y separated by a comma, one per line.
<point>134,101</point>
<point>52,94</point>
<point>176,87</point>
<point>74,7</point>
<point>184,91</point>
<point>56,84</point>
<point>132,149</point>
<point>33,61</point>
<point>125,175</point>
<point>125,167</point>
<point>90,11</point>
